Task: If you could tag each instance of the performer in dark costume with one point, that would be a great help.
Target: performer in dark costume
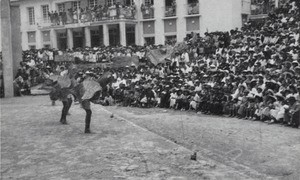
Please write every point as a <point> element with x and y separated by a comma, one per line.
<point>85,91</point>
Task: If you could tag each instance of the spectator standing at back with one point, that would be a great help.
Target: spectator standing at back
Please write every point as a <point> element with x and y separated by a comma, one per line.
<point>56,18</point>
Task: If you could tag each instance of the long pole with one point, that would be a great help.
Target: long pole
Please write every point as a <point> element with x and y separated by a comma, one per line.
<point>6,40</point>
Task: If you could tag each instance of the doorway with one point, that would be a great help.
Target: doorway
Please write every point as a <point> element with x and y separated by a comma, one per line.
<point>130,35</point>
<point>78,39</point>
<point>97,36</point>
<point>62,40</point>
<point>114,34</point>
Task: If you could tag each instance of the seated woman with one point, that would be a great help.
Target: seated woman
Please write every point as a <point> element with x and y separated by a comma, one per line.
<point>277,114</point>
<point>183,101</point>
<point>292,113</point>
<point>173,97</point>
<point>195,99</point>
<point>268,105</point>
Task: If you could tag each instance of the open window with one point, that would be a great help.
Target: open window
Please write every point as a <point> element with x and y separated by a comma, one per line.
<point>193,1</point>
<point>93,3</point>
<point>170,8</point>
<point>169,2</point>
<point>149,2</point>
<point>128,2</point>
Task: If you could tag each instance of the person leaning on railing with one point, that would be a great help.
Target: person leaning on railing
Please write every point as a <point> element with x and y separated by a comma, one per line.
<point>133,10</point>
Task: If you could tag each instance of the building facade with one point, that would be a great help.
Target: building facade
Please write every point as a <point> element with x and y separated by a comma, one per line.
<point>65,24</point>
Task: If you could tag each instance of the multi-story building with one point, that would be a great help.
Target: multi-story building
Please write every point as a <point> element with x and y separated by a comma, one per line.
<point>63,24</point>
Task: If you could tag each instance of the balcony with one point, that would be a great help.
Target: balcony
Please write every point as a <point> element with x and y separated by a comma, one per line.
<point>86,17</point>
<point>147,12</point>
<point>170,11</point>
<point>261,8</point>
<point>193,9</point>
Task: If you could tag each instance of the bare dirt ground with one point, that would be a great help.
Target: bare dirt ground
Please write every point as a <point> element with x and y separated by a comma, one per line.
<point>248,146</point>
<point>140,144</point>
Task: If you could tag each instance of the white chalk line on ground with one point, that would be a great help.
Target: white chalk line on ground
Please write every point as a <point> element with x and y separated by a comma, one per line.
<point>250,172</point>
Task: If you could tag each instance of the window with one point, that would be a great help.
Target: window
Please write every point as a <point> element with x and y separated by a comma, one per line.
<point>76,4</point>
<point>193,7</point>
<point>128,2</point>
<point>31,16</point>
<point>31,37</point>
<point>77,34</point>
<point>130,29</point>
<point>95,32</point>
<point>92,3</point>
<point>149,2</point>
<point>244,19</point>
<point>111,2</point>
<point>171,40</point>
<point>61,7</point>
<point>32,47</point>
<point>169,2</point>
<point>193,1</point>
<point>150,40</point>
<point>45,10</point>
<point>62,35</point>
<point>46,36</point>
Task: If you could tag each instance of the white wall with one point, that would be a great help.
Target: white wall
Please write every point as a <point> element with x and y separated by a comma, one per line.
<point>25,27</point>
<point>0,32</point>
<point>159,22</point>
<point>236,14</point>
<point>246,6</point>
<point>181,20</point>
<point>220,15</point>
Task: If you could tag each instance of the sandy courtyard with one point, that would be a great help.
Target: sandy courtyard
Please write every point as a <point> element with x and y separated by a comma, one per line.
<point>140,144</point>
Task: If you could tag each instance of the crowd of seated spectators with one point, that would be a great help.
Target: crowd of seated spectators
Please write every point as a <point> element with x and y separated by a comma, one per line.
<point>91,14</point>
<point>252,73</point>
<point>38,64</point>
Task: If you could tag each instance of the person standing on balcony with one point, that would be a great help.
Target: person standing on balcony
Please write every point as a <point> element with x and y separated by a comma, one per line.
<point>64,17</point>
<point>118,7</point>
<point>89,15</point>
<point>174,8</point>
<point>70,16</point>
<point>93,12</point>
<point>56,18</point>
<point>79,14</point>
<point>75,15</point>
<point>99,13</point>
<point>60,17</point>
<point>50,14</point>
<point>133,9</point>
<point>144,11</point>
<point>84,15</point>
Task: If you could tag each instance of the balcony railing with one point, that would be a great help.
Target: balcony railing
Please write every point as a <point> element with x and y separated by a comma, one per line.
<point>193,9</point>
<point>147,12</point>
<point>75,17</point>
<point>170,11</point>
<point>260,8</point>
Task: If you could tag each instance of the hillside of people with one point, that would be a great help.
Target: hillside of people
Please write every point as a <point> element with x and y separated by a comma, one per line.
<point>252,73</point>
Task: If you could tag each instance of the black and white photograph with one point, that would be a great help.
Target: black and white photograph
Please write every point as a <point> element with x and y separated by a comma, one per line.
<point>150,89</point>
